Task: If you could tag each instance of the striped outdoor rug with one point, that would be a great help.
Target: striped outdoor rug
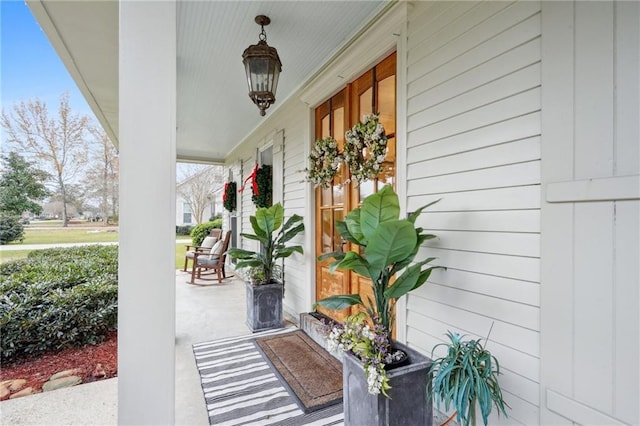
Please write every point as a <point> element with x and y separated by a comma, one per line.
<point>241,389</point>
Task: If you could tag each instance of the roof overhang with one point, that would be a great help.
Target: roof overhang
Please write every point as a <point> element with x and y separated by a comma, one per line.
<point>214,112</point>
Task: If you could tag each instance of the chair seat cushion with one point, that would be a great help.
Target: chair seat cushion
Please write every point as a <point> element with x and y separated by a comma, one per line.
<point>205,261</point>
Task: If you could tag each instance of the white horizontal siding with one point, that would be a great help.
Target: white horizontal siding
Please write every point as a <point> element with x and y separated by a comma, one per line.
<point>500,176</point>
<point>497,221</point>
<point>508,243</point>
<point>527,197</point>
<point>422,78</point>
<point>473,141</point>
<point>517,291</point>
<point>509,335</point>
<point>519,151</point>
<point>502,132</point>
<point>517,58</point>
<point>519,104</point>
<point>293,118</point>
<point>296,271</point>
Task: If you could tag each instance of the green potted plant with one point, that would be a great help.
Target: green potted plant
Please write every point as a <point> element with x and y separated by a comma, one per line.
<point>466,377</point>
<point>265,288</point>
<point>388,246</point>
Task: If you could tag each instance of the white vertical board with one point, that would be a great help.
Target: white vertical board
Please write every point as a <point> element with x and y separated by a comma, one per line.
<point>593,305</point>
<point>146,295</point>
<point>278,168</point>
<point>247,208</point>
<point>473,140</point>
<point>291,119</point>
<point>627,70</point>
<point>626,293</point>
<point>590,239</point>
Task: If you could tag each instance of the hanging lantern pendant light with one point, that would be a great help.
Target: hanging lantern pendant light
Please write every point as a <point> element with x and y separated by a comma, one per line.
<point>262,65</point>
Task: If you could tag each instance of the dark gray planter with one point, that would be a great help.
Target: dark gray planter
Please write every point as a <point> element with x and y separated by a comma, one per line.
<point>409,403</point>
<point>264,306</point>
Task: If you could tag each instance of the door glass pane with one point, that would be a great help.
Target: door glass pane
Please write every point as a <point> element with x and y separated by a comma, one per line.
<point>338,190</point>
<point>327,231</point>
<point>365,102</point>
<point>338,214</point>
<point>387,103</point>
<point>391,149</point>
<point>325,126</point>
<point>366,188</point>
<point>387,176</point>
<point>325,196</point>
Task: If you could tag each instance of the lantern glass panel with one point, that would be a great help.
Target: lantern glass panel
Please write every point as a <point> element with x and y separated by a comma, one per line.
<point>275,75</point>
<point>259,74</point>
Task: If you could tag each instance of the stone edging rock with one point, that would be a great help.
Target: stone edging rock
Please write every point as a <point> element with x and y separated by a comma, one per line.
<point>14,388</point>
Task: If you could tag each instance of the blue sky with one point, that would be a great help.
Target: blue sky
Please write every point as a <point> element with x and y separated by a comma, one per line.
<point>29,65</point>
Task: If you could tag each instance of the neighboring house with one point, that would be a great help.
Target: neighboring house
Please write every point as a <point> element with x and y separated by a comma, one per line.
<point>203,195</point>
<point>522,117</point>
<point>184,215</point>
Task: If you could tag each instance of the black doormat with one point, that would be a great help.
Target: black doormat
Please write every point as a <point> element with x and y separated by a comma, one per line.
<point>312,375</point>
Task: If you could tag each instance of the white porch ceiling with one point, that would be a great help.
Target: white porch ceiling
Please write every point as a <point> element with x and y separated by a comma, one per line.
<point>214,112</point>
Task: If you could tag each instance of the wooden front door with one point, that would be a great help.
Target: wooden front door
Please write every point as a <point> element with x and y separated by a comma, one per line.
<point>374,91</point>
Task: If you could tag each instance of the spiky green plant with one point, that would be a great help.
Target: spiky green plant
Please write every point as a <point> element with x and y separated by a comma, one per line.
<point>465,377</point>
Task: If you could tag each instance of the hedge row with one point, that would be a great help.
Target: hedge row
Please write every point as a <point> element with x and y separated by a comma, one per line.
<point>56,299</point>
<point>199,232</point>
<point>183,229</point>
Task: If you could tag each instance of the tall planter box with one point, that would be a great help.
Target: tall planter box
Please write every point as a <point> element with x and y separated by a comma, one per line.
<point>409,403</point>
<point>264,306</point>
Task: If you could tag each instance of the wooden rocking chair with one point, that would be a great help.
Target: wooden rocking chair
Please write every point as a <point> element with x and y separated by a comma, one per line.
<point>205,246</point>
<point>212,261</point>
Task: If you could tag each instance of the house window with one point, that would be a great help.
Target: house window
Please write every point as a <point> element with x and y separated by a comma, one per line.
<point>186,213</point>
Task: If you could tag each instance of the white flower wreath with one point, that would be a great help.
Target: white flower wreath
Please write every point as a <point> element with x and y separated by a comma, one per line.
<point>365,148</point>
<point>324,162</point>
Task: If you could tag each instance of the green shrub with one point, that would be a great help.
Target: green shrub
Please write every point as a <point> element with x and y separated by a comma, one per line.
<point>10,229</point>
<point>200,231</point>
<point>56,299</point>
<point>183,229</point>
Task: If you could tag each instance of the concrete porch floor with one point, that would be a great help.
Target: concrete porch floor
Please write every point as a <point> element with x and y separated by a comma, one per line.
<point>202,314</point>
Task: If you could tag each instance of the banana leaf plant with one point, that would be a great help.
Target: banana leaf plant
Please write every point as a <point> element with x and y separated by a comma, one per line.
<point>269,230</point>
<point>388,246</point>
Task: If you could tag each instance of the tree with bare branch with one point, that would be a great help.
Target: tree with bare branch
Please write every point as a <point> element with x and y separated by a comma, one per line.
<point>56,142</point>
<point>102,175</point>
<point>197,187</point>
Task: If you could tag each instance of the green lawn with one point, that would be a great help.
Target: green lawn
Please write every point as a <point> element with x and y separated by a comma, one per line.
<point>67,235</point>
<point>181,249</point>
<point>72,235</point>
<point>8,255</point>
<point>45,224</point>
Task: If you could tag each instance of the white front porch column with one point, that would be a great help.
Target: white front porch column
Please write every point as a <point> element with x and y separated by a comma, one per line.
<point>146,294</point>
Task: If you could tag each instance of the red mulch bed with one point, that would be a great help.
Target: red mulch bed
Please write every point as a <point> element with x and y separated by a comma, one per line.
<point>37,370</point>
